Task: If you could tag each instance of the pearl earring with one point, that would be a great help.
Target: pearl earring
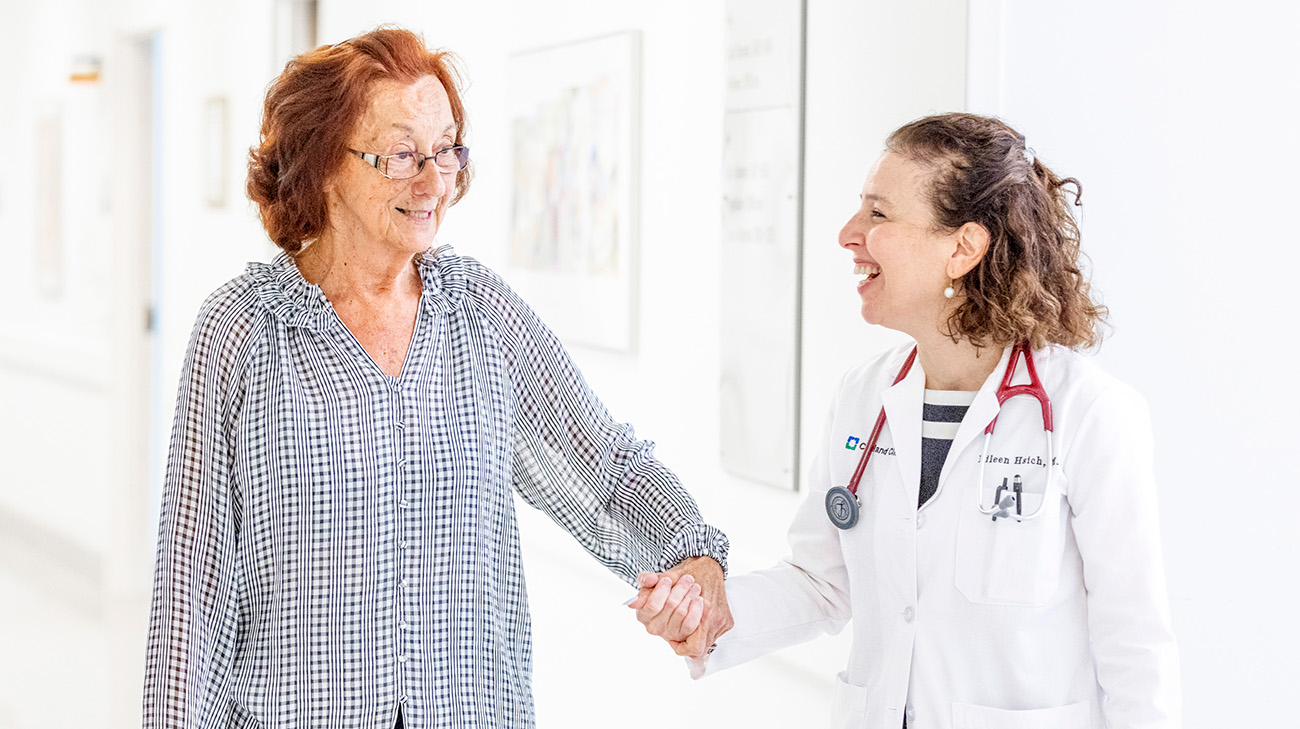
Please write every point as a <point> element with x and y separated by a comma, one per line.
<point>948,293</point>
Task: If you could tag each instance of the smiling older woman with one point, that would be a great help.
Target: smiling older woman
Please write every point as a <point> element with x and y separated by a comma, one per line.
<point>338,545</point>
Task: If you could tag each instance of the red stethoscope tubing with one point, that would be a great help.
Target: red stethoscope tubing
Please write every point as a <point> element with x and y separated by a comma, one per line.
<point>1005,392</point>
<point>875,432</point>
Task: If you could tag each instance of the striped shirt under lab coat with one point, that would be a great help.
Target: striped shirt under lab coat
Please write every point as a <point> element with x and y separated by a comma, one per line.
<point>336,543</point>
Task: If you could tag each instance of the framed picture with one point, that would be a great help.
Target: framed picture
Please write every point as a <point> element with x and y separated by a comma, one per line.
<point>573,225</point>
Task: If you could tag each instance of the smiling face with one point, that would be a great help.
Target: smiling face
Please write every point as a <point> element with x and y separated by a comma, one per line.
<point>904,262</point>
<point>370,211</point>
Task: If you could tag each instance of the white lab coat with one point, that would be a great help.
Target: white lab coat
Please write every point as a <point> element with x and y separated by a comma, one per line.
<point>1058,622</point>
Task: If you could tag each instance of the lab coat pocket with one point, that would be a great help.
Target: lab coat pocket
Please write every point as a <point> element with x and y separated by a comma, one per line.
<point>1006,562</point>
<point>1073,716</point>
<point>849,705</point>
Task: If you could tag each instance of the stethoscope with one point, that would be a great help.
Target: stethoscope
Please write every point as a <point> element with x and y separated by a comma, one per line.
<point>842,502</point>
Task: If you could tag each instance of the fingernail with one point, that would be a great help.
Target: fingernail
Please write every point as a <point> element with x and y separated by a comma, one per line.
<point>628,602</point>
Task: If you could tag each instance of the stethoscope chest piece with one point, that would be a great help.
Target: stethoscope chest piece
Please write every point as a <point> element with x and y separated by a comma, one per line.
<point>842,507</point>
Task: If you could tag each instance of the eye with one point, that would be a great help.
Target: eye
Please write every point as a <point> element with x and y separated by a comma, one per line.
<point>877,215</point>
<point>403,156</point>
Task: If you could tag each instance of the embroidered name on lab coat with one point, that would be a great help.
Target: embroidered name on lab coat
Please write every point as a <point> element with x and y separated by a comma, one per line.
<point>1012,460</point>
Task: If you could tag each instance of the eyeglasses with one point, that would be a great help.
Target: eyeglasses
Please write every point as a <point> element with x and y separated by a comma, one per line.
<point>405,165</point>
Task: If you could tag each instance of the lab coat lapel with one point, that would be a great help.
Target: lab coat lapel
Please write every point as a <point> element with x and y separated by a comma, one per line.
<point>982,410</point>
<point>902,404</point>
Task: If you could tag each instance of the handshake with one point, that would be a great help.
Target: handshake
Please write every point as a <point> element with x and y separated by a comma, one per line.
<point>686,606</point>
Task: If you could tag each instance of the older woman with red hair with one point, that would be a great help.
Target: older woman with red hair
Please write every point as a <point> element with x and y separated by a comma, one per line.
<point>338,545</point>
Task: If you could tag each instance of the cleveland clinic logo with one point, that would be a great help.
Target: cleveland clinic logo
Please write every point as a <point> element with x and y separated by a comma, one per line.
<point>854,443</point>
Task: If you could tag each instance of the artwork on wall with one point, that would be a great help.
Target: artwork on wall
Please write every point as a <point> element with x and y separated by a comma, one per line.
<point>573,224</point>
<point>762,241</point>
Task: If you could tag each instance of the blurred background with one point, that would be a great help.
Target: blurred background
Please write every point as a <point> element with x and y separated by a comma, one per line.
<point>127,123</point>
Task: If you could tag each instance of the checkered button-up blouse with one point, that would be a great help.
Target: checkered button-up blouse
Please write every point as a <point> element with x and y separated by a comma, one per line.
<point>336,543</point>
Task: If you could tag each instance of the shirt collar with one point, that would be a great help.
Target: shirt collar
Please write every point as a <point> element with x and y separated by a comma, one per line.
<point>291,299</point>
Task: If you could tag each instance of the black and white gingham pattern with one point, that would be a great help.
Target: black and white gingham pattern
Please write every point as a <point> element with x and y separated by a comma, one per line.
<point>336,543</point>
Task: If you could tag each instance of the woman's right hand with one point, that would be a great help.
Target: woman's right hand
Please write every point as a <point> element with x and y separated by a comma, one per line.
<point>670,611</point>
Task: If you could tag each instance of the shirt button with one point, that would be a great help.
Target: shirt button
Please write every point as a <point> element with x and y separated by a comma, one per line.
<point>404,544</point>
<point>402,625</point>
<point>401,463</point>
<point>402,699</point>
<point>909,614</point>
<point>403,503</point>
<point>401,659</point>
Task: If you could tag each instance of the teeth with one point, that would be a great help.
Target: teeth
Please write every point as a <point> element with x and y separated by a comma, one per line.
<point>866,269</point>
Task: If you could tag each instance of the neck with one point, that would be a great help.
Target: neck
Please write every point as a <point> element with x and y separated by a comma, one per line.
<point>956,365</point>
<point>346,272</point>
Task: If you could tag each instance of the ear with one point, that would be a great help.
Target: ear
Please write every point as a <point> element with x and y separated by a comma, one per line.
<point>972,241</point>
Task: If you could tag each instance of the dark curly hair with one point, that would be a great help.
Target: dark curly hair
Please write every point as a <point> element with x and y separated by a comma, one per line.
<point>1028,287</point>
<point>311,110</point>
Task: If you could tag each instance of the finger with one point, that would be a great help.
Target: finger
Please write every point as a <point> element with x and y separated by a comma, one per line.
<point>697,643</point>
<point>684,605</point>
<point>672,622</point>
<point>684,587</point>
<point>658,596</point>
<point>646,579</point>
<point>661,624</point>
<point>692,620</point>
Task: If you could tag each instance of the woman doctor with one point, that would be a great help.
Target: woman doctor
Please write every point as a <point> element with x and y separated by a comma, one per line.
<point>1012,584</point>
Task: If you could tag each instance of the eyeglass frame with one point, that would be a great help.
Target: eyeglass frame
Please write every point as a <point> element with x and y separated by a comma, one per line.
<point>375,160</point>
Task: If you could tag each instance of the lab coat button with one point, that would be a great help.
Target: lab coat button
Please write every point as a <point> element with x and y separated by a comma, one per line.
<point>909,614</point>
<point>910,714</point>
<point>920,520</point>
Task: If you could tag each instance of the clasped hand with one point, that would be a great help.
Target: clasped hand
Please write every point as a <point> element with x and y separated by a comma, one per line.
<point>686,606</point>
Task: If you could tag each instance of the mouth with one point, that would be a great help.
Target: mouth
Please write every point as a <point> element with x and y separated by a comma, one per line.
<point>418,215</point>
<point>869,271</point>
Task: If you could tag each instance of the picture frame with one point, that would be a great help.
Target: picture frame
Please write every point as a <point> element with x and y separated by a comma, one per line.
<point>574,222</point>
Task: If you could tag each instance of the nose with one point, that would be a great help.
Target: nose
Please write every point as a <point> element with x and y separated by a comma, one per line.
<point>853,233</point>
<point>431,181</point>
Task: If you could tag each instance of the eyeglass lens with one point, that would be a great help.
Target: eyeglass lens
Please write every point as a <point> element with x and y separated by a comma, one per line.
<point>408,164</point>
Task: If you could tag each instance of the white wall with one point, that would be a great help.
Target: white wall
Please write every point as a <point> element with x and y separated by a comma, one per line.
<point>1179,121</point>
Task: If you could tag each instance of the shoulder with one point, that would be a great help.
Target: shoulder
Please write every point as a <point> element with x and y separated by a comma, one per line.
<point>231,322</point>
<point>473,285</point>
<point>465,280</point>
<point>1085,396</point>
